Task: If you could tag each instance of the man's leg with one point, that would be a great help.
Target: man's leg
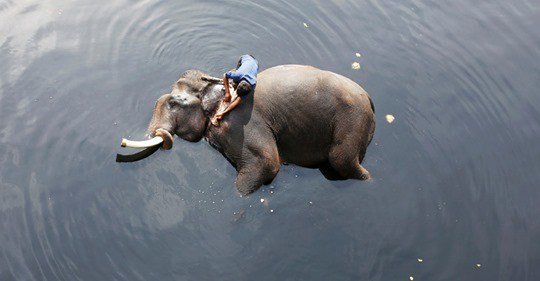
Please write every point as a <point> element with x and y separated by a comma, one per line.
<point>227,97</point>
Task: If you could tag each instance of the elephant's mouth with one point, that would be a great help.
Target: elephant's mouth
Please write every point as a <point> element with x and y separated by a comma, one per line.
<point>166,136</point>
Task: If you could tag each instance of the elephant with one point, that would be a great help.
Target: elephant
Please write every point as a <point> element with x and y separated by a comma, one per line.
<point>296,114</point>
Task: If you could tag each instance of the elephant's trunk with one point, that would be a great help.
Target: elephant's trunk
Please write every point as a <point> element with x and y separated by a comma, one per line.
<point>160,125</point>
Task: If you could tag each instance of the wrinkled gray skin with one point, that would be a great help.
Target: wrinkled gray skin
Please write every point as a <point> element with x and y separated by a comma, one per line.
<point>297,114</point>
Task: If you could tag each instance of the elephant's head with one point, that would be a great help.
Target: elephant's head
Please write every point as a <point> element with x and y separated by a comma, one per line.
<point>186,109</point>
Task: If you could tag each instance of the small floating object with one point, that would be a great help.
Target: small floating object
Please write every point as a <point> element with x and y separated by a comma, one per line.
<point>306,25</point>
<point>355,65</point>
<point>272,210</point>
<point>358,55</point>
<point>239,215</point>
<point>420,260</point>
<point>262,200</point>
<point>478,265</point>
<point>411,278</point>
<point>390,118</point>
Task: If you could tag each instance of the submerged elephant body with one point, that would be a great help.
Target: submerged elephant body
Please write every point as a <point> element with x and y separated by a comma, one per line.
<point>297,114</point>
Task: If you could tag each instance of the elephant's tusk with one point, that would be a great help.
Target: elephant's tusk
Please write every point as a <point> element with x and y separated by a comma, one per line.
<point>142,144</point>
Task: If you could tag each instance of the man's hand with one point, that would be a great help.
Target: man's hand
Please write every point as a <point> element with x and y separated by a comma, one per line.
<point>215,120</point>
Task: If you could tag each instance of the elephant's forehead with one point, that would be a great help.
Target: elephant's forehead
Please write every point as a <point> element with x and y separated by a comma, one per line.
<point>188,85</point>
<point>182,93</point>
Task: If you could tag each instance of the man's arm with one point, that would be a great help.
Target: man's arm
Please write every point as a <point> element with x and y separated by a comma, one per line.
<point>214,120</point>
<point>234,75</point>
<point>234,103</point>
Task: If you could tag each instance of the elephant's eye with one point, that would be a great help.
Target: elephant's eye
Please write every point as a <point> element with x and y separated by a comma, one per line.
<point>174,103</point>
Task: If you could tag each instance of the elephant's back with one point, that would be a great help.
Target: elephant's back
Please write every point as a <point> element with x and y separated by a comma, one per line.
<point>304,82</point>
<point>296,91</point>
<point>302,104</point>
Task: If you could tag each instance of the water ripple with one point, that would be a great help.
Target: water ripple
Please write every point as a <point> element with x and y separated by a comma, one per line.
<point>453,174</point>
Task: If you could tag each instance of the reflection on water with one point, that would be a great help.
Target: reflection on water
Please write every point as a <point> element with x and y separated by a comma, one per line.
<point>455,174</point>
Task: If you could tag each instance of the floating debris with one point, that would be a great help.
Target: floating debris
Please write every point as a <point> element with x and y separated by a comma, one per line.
<point>355,65</point>
<point>358,55</point>
<point>238,215</point>
<point>478,265</point>
<point>390,118</point>
<point>271,210</point>
<point>262,200</point>
<point>310,203</point>
<point>411,278</point>
<point>306,25</point>
<point>420,260</point>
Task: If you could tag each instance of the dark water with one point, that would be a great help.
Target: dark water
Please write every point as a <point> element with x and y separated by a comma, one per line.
<point>456,175</point>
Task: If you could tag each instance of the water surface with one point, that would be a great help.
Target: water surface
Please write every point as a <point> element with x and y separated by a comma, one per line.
<point>456,175</point>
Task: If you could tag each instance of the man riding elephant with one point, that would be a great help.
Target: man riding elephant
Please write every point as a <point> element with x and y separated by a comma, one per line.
<point>244,78</point>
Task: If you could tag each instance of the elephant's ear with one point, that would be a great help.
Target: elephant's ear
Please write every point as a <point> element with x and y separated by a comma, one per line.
<point>211,96</point>
<point>183,100</point>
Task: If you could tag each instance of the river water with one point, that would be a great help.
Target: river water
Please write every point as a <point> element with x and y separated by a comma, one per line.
<point>455,175</point>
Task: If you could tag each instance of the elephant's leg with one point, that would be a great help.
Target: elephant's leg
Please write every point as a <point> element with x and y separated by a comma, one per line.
<point>345,157</point>
<point>260,167</point>
<point>347,165</point>
<point>252,176</point>
<point>329,173</point>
